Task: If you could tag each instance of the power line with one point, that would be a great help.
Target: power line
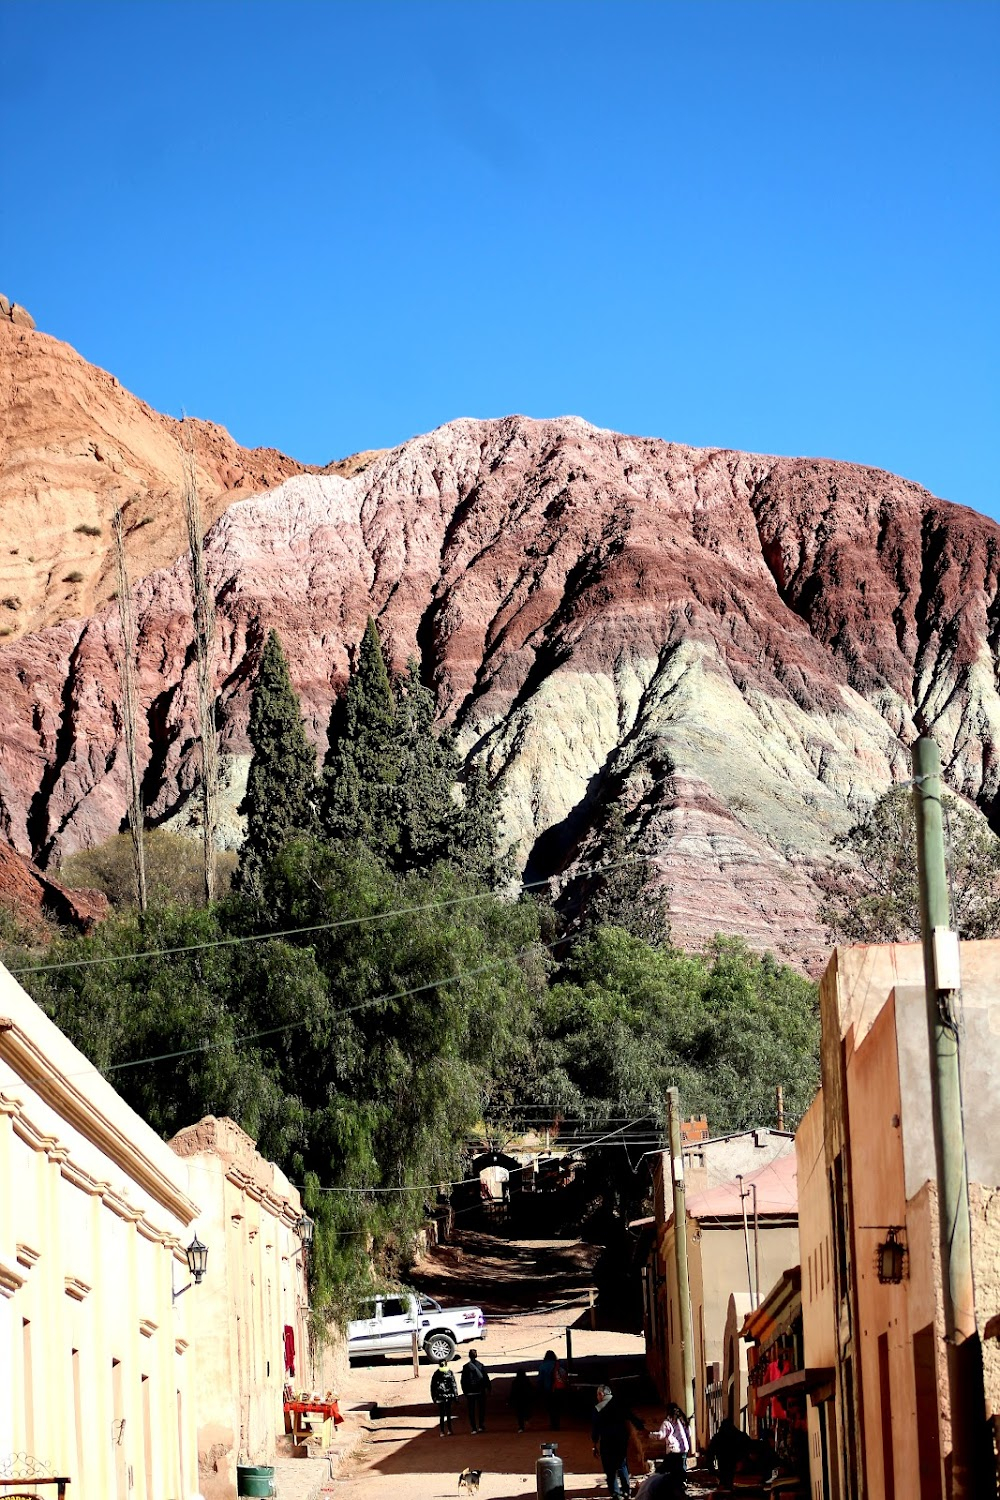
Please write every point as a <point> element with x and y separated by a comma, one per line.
<point>349,1010</point>
<point>266,937</point>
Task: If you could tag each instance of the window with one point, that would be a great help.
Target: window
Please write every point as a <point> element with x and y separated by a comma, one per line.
<point>392,1307</point>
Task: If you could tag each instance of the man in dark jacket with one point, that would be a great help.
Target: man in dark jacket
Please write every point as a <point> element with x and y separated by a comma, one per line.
<point>444,1394</point>
<point>475,1385</point>
<point>609,1427</point>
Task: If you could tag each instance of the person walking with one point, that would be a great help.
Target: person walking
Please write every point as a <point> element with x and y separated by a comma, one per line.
<point>444,1394</point>
<point>552,1380</point>
<point>475,1388</point>
<point>521,1398</point>
<point>610,1427</point>
<point>676,1437</point>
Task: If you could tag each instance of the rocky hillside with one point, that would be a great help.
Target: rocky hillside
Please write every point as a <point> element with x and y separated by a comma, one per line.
<point>740,648</point>
<point>73,445</point>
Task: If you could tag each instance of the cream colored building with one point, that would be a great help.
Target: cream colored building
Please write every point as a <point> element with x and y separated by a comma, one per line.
<point>96,1359</point>
<point>255,1290</point>
<point>106,1376</point>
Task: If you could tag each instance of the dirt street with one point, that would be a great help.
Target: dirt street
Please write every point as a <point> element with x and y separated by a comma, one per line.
<point>523,1286</point>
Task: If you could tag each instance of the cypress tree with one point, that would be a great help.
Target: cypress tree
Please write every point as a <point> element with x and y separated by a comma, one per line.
<point>360,789</point>
<point>281,786</point>
<point>430,815</point>
<point>624,893</point>
<point>476,845</point>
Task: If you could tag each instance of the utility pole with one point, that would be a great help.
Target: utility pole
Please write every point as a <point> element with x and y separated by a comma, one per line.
<point>681,1253</point>
<point>942,984</point>
<point>780,1101</point>
<point>744,1195</point>
<point>756,1247</point>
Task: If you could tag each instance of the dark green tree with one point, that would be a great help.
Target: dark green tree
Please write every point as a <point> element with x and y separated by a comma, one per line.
<point>627,891</point>
<point>477,846</point>
<point>280,799</point>
<point>361,773</point>
<point>430,814</point>
<point>871,891</point>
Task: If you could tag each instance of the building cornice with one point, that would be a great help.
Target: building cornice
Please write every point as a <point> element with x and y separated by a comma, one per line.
<point>69,1101</point>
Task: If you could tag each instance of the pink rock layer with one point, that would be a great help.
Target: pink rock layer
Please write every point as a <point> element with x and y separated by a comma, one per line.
<point>740,648</point>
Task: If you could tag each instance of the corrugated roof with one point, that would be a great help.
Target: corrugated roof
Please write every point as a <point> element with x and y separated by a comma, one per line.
<point>777,1193</point>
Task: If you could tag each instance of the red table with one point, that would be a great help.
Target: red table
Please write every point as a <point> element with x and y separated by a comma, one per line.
<point>328,1410</point>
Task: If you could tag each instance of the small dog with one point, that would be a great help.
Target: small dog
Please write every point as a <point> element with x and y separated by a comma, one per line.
<point>468,1481</point>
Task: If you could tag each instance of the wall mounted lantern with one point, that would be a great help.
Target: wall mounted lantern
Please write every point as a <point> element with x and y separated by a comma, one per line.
<point>304,1230</point>
<point>196,1256</point>
<point>890,1258</point>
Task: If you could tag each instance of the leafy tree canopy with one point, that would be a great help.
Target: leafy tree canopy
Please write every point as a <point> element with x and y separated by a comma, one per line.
<point>872,893</point>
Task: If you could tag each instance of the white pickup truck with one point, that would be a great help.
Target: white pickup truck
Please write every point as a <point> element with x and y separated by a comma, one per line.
<point>391,1318</point>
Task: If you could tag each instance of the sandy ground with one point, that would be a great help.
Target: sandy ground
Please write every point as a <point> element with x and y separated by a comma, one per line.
<point>523,1286</point>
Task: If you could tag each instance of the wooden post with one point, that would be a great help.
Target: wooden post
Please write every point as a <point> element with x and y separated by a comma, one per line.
<point>681,1256</point>
<point>416,1355</point>
<point>569,1348</point>
<point>781,1107</point>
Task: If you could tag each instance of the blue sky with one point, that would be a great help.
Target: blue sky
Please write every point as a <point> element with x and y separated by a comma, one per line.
<point>331,226</point>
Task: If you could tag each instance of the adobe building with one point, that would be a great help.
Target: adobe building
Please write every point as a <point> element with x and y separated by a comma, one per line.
<point>719,1250</point>
<point>96,1359</point>
<point>867,1179</point>
<point>253,1311</point>
<point>117,1371</point>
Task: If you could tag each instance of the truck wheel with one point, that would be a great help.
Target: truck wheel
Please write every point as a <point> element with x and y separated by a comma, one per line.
<point>439,1346</point>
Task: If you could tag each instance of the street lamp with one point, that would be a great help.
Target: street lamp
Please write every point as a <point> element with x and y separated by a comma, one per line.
<point>196,1256</point>
<point>891,1258</point>
<point>304,1230</point>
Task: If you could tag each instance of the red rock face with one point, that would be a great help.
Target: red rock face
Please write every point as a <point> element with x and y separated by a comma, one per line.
<point>738,647</point>
<point>31,897</point>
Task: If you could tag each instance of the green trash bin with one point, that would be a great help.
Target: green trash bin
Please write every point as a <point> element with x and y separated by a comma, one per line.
<point>255,1479</point>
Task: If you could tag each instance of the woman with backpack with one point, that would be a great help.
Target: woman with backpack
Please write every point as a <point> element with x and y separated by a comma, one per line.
<point>552,1380</point>
<point>444,1394</point>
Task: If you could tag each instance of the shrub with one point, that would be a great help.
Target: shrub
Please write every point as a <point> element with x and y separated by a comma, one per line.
<point>75,577</point>
<point>11,602</point>
<point>86,530</point>
<point>174,870</point>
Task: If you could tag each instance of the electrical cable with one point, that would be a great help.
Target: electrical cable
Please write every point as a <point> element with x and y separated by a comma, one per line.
<point>266,937</point>
<point>349,1010</point>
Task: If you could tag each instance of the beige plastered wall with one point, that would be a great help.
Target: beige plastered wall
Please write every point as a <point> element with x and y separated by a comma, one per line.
<point>717,1265</point>
<point>872,1014</point>
<point>819,1313</point>
<point>256,1286</point>
<point>95,1356</point>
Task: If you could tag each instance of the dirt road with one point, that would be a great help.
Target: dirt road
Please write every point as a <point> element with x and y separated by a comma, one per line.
<point>524,1287</point>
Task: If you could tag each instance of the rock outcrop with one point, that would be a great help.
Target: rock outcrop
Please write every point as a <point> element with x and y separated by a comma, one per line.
<point>32,898</point>
<point>74,445</point>
<point>739,648</point>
